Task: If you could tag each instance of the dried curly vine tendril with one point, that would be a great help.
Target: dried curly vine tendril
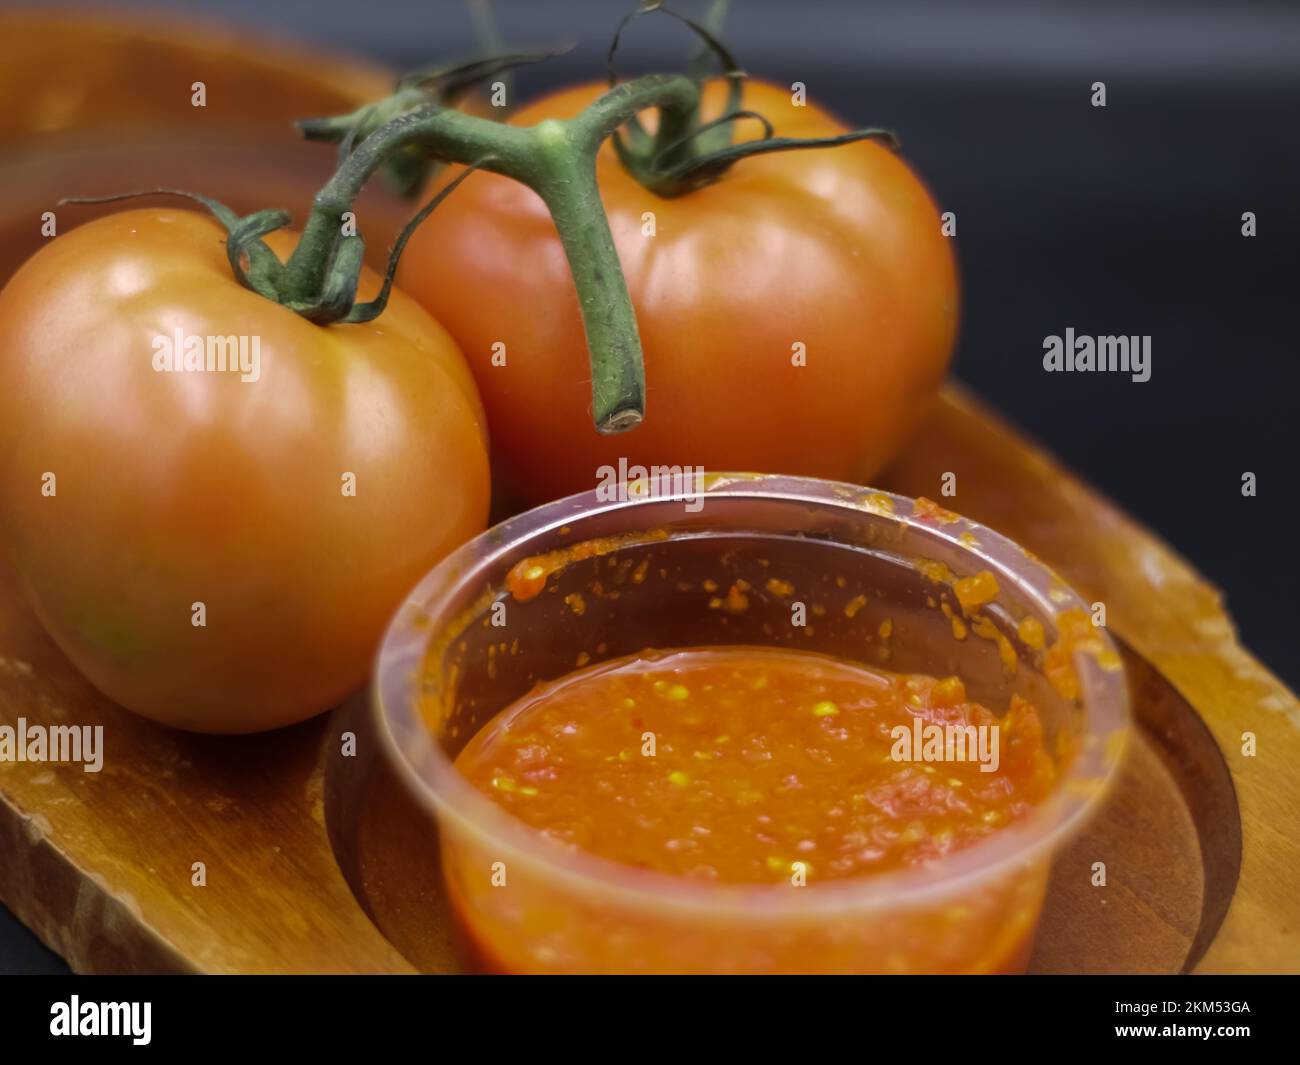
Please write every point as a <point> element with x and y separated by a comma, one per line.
<point>686,153</point>
<point>639,145</point>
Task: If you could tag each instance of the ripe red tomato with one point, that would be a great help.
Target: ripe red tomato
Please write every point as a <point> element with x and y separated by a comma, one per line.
<point>172,489</point>
<point>833,255</point>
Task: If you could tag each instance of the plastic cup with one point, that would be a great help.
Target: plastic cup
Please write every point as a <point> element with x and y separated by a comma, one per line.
<point>461,649</point>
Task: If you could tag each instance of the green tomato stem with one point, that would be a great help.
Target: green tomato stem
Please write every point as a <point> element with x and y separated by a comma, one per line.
<point>557,159</point>
<point>571,194</point>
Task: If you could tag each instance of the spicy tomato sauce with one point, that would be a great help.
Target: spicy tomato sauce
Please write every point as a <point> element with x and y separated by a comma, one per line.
<point>752,764</point>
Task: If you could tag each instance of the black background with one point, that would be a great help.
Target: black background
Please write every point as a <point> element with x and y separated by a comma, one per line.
<point>1117,220</point>
<point>351,1017</point>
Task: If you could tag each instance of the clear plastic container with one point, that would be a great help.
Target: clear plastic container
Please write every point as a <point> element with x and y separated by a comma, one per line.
<point>462,649</point>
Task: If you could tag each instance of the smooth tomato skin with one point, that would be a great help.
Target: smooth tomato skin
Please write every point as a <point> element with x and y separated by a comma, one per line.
<point>181,488</point>
<point>838,249</point>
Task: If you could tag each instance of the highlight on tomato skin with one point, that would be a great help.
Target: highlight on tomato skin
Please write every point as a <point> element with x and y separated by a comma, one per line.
<point>797,316</point>
<point>220,551</point>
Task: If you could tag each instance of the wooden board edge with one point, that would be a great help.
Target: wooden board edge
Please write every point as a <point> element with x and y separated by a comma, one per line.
<point>72,910</point>
<point>1176,619</point>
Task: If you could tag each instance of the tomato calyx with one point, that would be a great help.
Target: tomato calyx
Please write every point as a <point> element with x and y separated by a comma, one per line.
<point>252,262</point>
<point>258,268</point>
<point>685,153</point>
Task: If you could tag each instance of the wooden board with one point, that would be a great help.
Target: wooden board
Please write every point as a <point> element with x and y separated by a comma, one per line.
<point>1199,840</point>
<point>95,103</point>
<point>1175,620</point>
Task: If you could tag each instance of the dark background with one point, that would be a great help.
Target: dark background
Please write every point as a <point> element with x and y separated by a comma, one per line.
<point>1117,220</point>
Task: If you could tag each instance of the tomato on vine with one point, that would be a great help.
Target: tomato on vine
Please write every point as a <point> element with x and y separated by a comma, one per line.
<point>797,315</point>
<point>220,549</point>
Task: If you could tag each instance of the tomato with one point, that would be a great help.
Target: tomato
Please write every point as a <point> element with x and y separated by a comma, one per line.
<point>191,539</point>
<point>833,256</point>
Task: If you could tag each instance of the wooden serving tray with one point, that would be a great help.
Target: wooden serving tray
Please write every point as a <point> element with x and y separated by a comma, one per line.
<point>308,856</point>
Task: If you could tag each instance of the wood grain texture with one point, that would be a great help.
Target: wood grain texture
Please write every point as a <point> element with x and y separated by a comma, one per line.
<point>100,864</point>
<point>1170,835</point>
<point>94,104</point>
<point>1170,615</point>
